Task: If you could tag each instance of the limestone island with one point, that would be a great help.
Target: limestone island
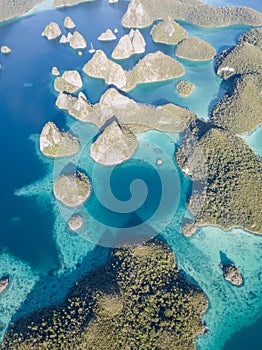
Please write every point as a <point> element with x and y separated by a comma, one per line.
<point>102,311</point>
<point>70,82</point>
<point>69,23</point>
<point>76,222</point>
<point>56,143</point>
<point>4,283</point>
<point>6,49</point>
<point>185,88</point>
<point>63,3</point>
<point>72,189</point>
<point>244,58</point>
<point>168,32</point>
<point>12,9</point>
<point>114,145</point>
<point>142,13</point>
<point>130,44</point>
<point>108,35</point>
<point>137,117</point>
<point>154,67</point>
<point>55,71</point>
<point>232,274</point>
<point>195,49</point>
<point>52,31</point>
<point>77,41</point>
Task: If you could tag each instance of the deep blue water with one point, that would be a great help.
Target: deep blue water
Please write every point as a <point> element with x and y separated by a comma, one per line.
<point>37,249</point>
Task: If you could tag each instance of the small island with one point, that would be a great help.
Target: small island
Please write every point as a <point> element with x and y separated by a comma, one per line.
<point>56,143</point>
<point>70,82</point>
<point>114,145</point>
<point>185,88</point>
<point>77,41</point>
<point>108,35</point>
<point>232,274</point>
<point>4,283</point>
<point>63,3</point>
<point>69,23</point>
<point>129,44</point>
<point>168,32</point>
<point>195,49</point>
<point>52,31</point>
<point>76,222</point>
<point>102,310</point>
<point>72,189</point>
<point>6,49</point>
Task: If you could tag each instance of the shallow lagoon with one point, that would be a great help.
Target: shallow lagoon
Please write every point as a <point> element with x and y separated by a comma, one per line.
<point>42,256</point>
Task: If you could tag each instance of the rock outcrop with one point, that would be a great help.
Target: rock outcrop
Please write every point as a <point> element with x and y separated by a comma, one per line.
<point>76,222</point>
<point>69,23</point>
<point>114,145</point>
<point>129,44</point>
<point>168,32</point>
<point>52,31</point>
<point>185,88</point>
<point>195,49</point>
<point>4,282</point>
<point>72,189</point>
<point>56,143</point>
<point>70,81</point>
<point>55,71</point>
<point>108,35</point>
<point>232,274</point>
<point>77,41</point>
<point>6,49</point>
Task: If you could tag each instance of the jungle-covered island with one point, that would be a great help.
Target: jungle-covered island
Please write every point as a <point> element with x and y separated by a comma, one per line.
<point>139,298</point>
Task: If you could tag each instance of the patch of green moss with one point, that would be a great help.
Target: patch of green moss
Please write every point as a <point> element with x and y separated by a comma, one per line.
<point>139,300</point>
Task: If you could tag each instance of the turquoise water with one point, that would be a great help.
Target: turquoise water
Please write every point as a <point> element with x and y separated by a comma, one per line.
<point>38,251</point>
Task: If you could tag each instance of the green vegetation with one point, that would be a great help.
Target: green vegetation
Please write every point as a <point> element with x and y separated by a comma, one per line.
<point>232,274</point>
<point>227,175</point>
<point>241,110</point>
<point>139,300</point>
<point>185,88</point>
<point>142,13</point>
<point>244,58</point>
<point>195,49</point>
<point>168,32</point>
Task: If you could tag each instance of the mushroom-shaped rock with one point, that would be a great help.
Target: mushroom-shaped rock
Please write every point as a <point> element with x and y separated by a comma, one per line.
<point>5,49</point>
<point>76,222</point>
<point>52,31</point>
<point>77,41</point>
<point>108,35</point>
<point>185,88</point>
<point>70,82</point>
<point>168,32</point>
<point>55,71</point>
<point>56,143</point>
<point>114,145</point>
<point>232,274</point>
<point>132,43</point>
<point>69,23</point>
<point>72,189</point>
<point>4,282</point>
<point>63,39</point>
<point>195,49</point>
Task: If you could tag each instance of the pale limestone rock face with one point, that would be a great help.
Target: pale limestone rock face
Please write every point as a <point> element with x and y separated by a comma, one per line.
<point>130,44</point>
<point>113,146</point>
<point>76,222</point>
<point>55,71</point>
<point>5,49</point>
<point>72,189</point>
<point>63,39</point>
<point>70,82</point>
<point>69,36</point>
<point>52,31</point>
<point>112,1</point>
<point>56,143</point>
<point>101,67</point>
<point>77,41</point>
<point>108,35</point>
<point>69,23</point>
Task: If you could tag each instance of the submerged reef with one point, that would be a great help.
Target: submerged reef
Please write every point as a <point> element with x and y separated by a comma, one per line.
<point>139,299</point>
<point>195,49</point>
<point>142,13</point>
<point>153,67</point>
